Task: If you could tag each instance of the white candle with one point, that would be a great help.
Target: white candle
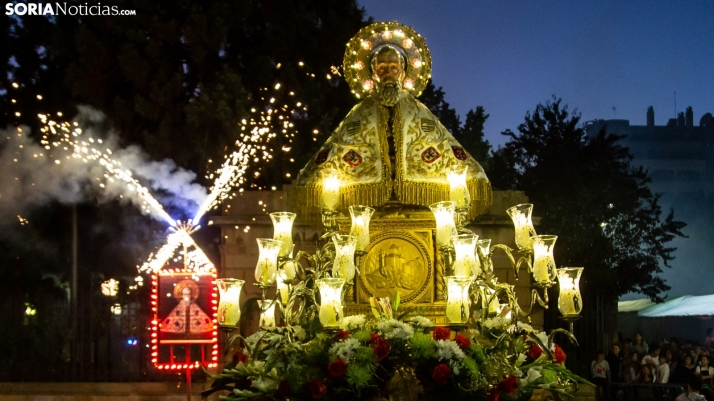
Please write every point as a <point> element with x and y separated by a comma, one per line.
<point>331,312</point>
<point>570,303</point>
<point>445,227</point>
<point>344,263</point>
<point>228,313</point>
<point>267,314</point>
<point>361,215</point>
<point>522,224</point>
<point>267,268</point>
<point>465,248</point>
<point>458,191</point>
<point>457,299</point>
<point>330,195</point>
<point>283,231</point>
<point>543,262</point>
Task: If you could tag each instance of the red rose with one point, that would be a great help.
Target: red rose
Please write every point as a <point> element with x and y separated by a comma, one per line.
<point>284,388</point>
<point>559,355</point>
<point>375,337</point>
<point>493,394</point>
<point>509,385</point>
<point>381,348</point>
<point>316,389</point>
<point>337,368</point>
<point>535,352</point>
<point>462,341</point>
<point>441,333</point>
<point>341,335</point>
<point>239,357</point>
<point>441,374</point>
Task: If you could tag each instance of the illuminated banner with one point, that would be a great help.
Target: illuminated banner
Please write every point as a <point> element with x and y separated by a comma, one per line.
<point>184,332</point>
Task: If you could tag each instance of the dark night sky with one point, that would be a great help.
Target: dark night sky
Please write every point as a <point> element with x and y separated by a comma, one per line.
<point>508,56</point>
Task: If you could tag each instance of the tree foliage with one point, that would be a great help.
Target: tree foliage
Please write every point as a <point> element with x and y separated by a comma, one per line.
<point>587,191</point>
<point>470,133</point>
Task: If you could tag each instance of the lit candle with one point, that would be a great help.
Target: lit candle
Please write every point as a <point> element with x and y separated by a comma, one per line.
<point>465,248</point>
<point>228,313</point>
<point>267,313</point>
<point>523,225</point>
<point>283,231</point>
<point>267,268</point>
<point>490,301</point>
<point>331,312</point>
<point>361,216</point>
<point>330,195</point>
<point>458,191</point>
<point>282,287</point>
<point>570,303</point>
<point>445,227</point>
<point>457,299</point>
<point>543,262</point>
<point>344,265</point>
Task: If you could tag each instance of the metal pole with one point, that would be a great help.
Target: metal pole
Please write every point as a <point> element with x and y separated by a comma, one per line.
<point>188,372</point>
<point>74,346</point>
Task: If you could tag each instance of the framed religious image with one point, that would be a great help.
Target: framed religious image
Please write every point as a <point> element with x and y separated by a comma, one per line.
<point>184,328</point>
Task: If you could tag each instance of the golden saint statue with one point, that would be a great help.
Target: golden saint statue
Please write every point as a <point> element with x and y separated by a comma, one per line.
<point>390,146</point>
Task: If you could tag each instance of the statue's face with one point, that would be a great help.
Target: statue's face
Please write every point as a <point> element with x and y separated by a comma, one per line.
<point>389,69</point>
<point>186,293</point>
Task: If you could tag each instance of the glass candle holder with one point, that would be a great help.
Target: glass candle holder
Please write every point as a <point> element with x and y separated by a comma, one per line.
<point>331,312</point>
<point>445,227</point>
<point>228,314</point>
<point>523,225</point>
<point>267,268</point>
<point>490,301</point>
<point>283,231</point>
<point>330,195</point>
<point>570,303</point>
<point>457,299</point>
<point>484,252</point>
<point>267,313</point>
<point>543,262</point>
<point>282,287</point>
<point>465,247</point>
<point>360,225</point>
<point>344,265</point>
<point>458,190</point>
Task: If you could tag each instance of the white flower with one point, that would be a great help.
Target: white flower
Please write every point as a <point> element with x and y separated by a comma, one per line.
<point>344,349</point>
<point>421,321</point>
<point>543,337</point>
<point>355,322</point>
<point>532,376</point>
<point>264,383</point>
<point>497,322</point>
<point>393,328</point>
<point>524,326</point>
<point>521,359</point>
<point>447,349</point>
<point>252,340</point>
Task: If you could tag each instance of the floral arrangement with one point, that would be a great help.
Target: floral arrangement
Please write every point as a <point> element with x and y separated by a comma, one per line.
<point>398,358</point>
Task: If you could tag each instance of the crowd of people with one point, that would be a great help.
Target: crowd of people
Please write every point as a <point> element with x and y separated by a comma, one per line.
<point>675,361</point>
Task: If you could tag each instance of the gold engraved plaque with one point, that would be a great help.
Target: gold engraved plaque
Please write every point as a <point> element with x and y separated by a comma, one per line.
<point>397,261</point>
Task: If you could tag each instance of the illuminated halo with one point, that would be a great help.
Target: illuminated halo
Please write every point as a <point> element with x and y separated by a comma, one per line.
<point>183,284</point>
<point>361,47</point>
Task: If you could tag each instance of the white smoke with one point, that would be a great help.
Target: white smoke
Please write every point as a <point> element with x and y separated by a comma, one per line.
<point>31,175</point>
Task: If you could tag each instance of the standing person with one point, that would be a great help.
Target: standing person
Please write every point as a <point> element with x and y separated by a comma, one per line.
<point>600,370</point>
<point>706,371</point>
<point>631,368</point>
<point>694,386</point>
<point>614,359</point>
<point>640,345</point>
<point>646,375</point>
<point>683,370</point>
<point>652,358</point>
<point>663,370</point>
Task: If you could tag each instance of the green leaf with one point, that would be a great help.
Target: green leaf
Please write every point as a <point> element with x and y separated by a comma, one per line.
<point>395,302</point>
